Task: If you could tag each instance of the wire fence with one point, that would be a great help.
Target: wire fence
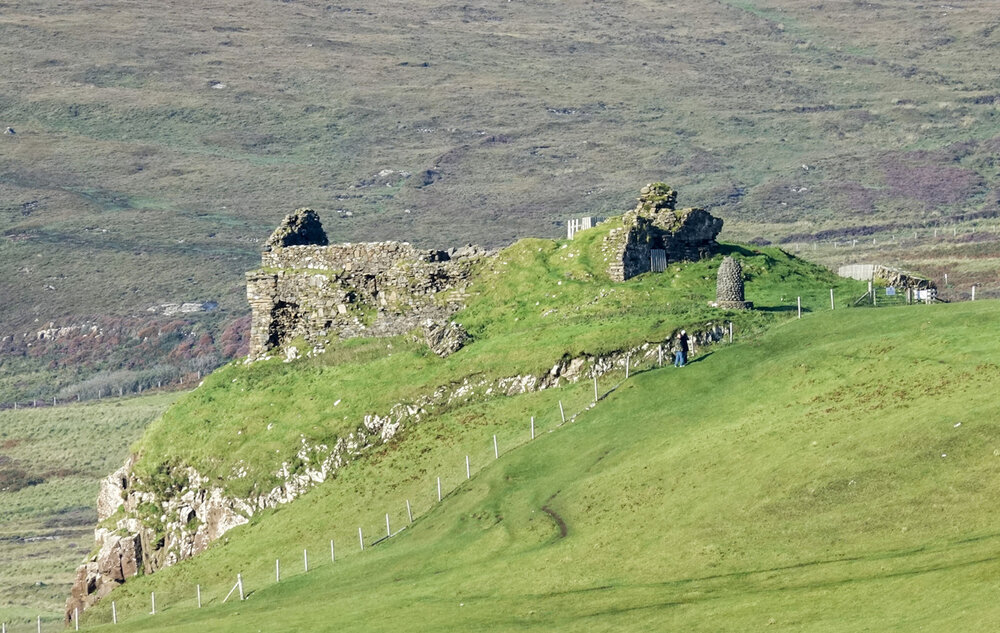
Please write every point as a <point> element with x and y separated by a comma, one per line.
<point>603,378</point>
<point>570,401</point>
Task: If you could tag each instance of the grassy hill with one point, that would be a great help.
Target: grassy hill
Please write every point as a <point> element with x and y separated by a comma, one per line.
<point>538,303</point>
<point>835,473</point>
<point>51,460</point>
<point>156,146</point>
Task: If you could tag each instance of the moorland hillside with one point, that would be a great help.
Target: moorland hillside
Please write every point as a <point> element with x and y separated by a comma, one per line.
<point>153,146</point>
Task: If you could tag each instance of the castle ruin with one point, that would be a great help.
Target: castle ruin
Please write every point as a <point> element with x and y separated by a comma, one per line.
<point>656,232</point>
<point>306,288</point>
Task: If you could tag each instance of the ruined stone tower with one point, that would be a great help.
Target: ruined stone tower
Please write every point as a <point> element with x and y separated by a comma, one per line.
<point>656,233</point>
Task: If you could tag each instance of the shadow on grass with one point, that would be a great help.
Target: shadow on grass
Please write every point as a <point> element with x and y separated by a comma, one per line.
<point>780,309</point>
<point>735,249</point>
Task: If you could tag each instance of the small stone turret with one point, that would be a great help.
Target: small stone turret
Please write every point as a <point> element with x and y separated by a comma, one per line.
<point>729,286</point>
<point>299,228</point>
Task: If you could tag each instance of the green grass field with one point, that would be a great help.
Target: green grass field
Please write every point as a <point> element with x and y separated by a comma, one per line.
<point>51,460</point>
<point>836,473</point>
<point>538,303</point>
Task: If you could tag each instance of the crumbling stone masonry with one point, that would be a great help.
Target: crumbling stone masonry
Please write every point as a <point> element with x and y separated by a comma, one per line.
<point>655,224</point>
<point>729,286</point>
<point>307,289</point>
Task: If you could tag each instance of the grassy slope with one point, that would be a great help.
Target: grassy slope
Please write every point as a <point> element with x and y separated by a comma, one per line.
<point>838,473</point>
<point>540,301</point>
<point>47,528</point>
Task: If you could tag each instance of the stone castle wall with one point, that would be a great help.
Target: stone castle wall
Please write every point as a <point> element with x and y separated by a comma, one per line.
<point>317,291</point>
<point>683,234</point>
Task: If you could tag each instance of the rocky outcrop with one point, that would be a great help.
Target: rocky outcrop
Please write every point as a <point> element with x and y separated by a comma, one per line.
<point>655,224</point>
<point>729,286</point>
<point>155,530</point>
<point>444,339</point>
<point>150,532</point>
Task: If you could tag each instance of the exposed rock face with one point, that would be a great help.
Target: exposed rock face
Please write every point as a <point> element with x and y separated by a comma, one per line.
<point>349,290</point>
<point>655,224</point>
<point>192,515</point>
<point>444,339</point>
<point>190,520</point>
<point>729,286</point>
<point>299,228</point>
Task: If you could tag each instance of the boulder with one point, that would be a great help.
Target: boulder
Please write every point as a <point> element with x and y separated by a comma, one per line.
<point>444,339</point>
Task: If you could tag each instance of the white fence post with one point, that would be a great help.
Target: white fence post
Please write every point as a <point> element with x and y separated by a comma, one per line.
<point>496,449</point>
<point>277,570</point>
<point>439,489</point>
<point>532,427</point>
<point>562,413</point>
<point>76,618</point>
<point>628,364</point>
<point>114,611</point>
<point>595,396</point>
<point>388,531</point>
<point>409,512</point>
<point>468,469</point>
<point>305,560</point>
<point>333,553</point>
<point>973,293</point>
<point>198,589</point>
<point>730,331</point>
<point>239,583</point>
<point>152,599</point>
<point>831,299</point>
<point>361,538</point>
<point>798,300</point>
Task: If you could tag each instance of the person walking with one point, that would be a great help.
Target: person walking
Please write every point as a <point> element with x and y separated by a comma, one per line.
<point>681,349</point>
